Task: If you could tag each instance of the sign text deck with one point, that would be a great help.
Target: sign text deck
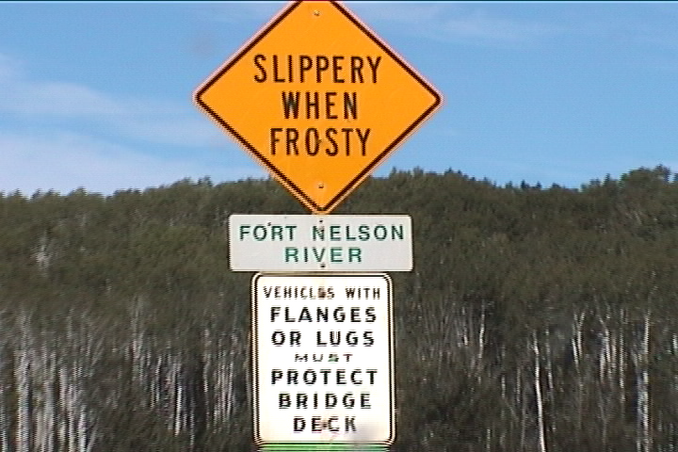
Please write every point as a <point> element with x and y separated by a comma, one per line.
<point>323,358</point>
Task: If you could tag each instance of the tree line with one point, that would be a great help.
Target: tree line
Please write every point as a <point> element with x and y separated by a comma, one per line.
<point>535,319</point>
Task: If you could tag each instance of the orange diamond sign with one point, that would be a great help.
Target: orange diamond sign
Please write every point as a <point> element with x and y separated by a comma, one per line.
<point>318,99</point>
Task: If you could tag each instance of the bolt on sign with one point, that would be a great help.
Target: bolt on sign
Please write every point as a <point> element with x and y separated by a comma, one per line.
<point>318,99</point>
<point>323,363</point>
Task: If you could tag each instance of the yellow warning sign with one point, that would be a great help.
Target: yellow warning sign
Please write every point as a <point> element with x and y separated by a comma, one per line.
<point>318,99</point>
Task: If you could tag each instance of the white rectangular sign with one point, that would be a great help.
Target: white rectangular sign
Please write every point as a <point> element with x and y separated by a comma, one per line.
<point>320,243</point>
<point>323,359</point>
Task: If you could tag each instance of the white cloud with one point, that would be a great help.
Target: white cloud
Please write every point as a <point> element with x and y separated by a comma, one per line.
<point>64,161</point>
<point>28,101</point>
<point>61,136</point>
<point>443,21</point>
<point>479,25</point>
<point>26,98</point>
<point>69,100</point>
<point>454,22</point>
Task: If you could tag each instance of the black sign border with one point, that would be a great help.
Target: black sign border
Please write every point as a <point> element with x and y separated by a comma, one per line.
<point>331,204</point>
<point>255,350</point>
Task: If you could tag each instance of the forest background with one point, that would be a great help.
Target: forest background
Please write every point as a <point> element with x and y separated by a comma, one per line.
<point>535,319</point>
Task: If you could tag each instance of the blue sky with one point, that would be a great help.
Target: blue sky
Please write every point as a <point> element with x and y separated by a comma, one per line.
<point>98,94</point>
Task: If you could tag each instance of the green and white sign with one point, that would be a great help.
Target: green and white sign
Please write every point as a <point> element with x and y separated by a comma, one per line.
<point>354,243</point>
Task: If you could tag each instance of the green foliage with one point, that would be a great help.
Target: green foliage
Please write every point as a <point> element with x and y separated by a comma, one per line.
<point>532,316</point>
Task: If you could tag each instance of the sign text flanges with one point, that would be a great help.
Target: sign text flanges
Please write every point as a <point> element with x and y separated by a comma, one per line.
<point>323,358</point>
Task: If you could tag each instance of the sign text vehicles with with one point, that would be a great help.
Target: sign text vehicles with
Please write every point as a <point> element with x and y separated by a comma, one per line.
<point>323,358</point>
<point>320,243</point>
<point>318,99</point>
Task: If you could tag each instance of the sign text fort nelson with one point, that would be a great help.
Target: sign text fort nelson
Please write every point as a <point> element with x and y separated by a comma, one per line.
<point>317,243</point>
